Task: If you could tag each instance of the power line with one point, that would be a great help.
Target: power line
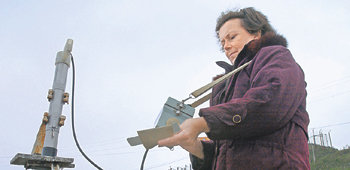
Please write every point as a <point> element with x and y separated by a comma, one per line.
<point>4,157</point>
<point>332,83</point>
<point>113,153</point>
<point>107,142</point>
<point>328,85</point>
<point>97,148</point>
<point>328,97</point>
<point>167,163</point>
<point>338,124</point>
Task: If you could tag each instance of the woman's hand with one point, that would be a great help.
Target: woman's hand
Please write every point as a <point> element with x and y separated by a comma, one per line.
<point>187,138</point>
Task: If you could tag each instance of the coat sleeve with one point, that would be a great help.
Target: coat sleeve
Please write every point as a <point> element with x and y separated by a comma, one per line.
<point>206,163</point>
<point>276,90</point>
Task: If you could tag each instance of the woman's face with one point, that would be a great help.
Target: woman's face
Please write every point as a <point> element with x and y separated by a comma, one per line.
<point>233,36</point>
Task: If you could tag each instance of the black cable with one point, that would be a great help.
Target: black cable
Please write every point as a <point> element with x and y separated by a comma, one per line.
<point>144,158</point>
<point>73,129</point>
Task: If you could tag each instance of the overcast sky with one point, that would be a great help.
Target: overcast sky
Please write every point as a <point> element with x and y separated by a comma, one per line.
<point>132,55</point>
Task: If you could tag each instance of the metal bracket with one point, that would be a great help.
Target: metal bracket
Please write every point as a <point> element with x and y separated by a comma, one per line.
<point>66,98</point>
<point>38,161</point>
<point>61,121</point>
<point>50,95</point>
<point>46,117</point>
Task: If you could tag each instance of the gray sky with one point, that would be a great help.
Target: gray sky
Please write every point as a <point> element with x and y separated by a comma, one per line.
<point>132,55</point>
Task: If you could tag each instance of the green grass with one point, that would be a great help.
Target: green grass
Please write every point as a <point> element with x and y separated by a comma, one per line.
<point>329,158</point>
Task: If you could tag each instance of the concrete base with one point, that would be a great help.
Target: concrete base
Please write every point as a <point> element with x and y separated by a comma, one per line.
<point>41,162</point>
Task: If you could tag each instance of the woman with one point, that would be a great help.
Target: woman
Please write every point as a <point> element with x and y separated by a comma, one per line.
<point>257,118</point>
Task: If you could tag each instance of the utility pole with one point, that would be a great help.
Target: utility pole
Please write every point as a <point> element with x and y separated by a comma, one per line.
<point>313,134</point>
<point>313,146</point>
<point>44,154</point>
<point>326,137</point>
<point>330,140</point>
<point>59,98</point>
<point>321,138</point>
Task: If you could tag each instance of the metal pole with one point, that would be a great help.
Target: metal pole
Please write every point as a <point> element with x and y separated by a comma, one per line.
<point>321,138</point>
<point>330,140</point>
<point>313,146</point>
<point>57,101</point>
<point>313,134</point>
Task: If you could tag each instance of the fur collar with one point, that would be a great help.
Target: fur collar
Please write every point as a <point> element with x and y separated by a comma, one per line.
<point>250,49</point>
<point>268,39</point>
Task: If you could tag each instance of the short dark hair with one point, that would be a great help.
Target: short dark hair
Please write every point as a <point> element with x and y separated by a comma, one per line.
<point>252,20</point>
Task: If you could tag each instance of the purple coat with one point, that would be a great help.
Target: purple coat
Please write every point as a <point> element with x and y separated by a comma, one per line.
<point>258,118</point>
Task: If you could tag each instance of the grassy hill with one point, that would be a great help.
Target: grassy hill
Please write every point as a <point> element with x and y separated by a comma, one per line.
<point>329,158</point>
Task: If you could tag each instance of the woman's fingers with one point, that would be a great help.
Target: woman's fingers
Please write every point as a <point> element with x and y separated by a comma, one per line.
<point>187,137</point>
<point>170,141</point>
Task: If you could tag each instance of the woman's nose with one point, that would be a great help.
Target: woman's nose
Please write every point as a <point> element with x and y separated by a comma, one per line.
<point>227,46</point>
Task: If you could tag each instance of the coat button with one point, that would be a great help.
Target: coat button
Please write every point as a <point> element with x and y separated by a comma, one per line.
<point>236,119</point>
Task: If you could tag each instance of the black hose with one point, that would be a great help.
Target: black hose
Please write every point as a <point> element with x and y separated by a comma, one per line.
<point>73,129</point>
<point>143,159</point>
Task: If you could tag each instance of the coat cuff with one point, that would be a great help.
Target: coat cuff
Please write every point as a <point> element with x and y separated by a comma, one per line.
<point>206,163</point>
<point>223,118</point>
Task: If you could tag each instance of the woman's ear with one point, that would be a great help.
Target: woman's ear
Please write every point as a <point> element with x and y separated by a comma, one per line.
<point>257,35</point>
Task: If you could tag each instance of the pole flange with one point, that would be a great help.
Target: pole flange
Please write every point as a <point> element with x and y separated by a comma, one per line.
<point>30,161</point>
